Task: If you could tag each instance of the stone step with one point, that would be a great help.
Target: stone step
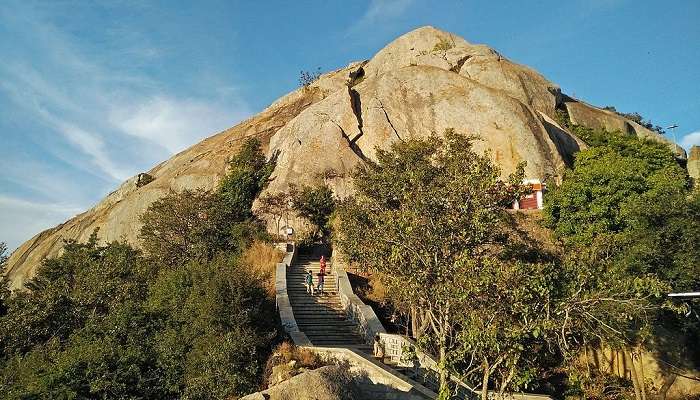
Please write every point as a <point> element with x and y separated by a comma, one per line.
<point>303,302</point>
<point>335,305</point>
<point>327,320</point>
<point>318,309</point>
<point>328,293</point>
<point>318,314</point>
<point>344,324</point>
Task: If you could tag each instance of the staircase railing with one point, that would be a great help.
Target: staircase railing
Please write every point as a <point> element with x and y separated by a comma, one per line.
<point>423,368</point>
<point>365,317</point>
<point>284,306</point>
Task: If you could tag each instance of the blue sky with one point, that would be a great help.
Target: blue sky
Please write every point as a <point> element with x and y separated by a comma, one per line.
<point>92,92</point>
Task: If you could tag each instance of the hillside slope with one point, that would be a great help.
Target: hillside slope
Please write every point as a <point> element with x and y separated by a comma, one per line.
<point>425,81</point>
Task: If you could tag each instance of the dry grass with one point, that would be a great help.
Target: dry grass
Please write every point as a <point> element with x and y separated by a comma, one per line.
<point>261,258</point>
<point>286,352</point>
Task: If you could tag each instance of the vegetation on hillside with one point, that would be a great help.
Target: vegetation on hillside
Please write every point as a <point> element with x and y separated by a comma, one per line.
<point>430,219</point>
<point>186,318</point>
<point>627,207</point>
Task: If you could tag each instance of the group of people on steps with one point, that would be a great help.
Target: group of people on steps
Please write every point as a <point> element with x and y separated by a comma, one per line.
<point>309,279</point>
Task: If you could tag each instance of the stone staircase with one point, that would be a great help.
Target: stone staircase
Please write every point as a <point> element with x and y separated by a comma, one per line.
<point>320,317</point>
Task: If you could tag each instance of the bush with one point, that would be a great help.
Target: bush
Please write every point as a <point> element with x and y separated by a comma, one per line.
<point>316,204</point>
<point>188,319</point>
<point>306,78</point>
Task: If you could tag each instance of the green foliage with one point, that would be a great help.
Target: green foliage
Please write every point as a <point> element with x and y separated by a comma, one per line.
<point>197,225</point>
<point>315,204</point>
<point>628,221</point>
<point>430,218</point>
<point>184,320</point>
<point>248,174</point>
<point>426,217</point>
<point>629,198</point>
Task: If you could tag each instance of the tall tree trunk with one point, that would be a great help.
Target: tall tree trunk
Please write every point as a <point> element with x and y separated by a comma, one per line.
<point>635,379</point>
<point>668,382</point>
<point>639,367</point>
<point>485,380</point>
<point>414,322</point>
<point>444,392</point>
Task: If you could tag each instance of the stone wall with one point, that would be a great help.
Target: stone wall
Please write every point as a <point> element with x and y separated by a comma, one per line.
<point>284,307</point>
<point>362,314</point>
<point>694,166</point>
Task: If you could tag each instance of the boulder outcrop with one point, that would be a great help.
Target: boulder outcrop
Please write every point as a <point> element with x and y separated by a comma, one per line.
<point>694,166</point>
<point>425,81</point>
<point>328,383</point>
<point>584,114</point>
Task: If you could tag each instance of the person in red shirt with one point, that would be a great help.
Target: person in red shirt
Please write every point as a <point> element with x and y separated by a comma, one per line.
<point>323,265</point>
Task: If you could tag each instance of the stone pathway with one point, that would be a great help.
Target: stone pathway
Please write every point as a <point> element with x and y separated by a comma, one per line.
<point>320,317</point>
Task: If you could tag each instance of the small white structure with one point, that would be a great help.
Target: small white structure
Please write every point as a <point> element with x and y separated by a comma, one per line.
<point>534,200</point>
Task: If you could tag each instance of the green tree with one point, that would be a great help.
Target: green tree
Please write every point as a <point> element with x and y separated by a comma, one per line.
<point>181,226</point>
<point>629,221</point>
<point>278,206</point>
<point>316,204</point>
<point>197,224</point>
<point>184,321</point>
<point>426,216</point>
<point>248,174</point>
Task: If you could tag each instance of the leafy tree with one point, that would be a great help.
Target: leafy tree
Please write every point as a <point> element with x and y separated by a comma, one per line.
<point>278,206</point>
<point>628,199</point>
<point>196,224</point>
<point>215,323</point>
<point>627,216</point>
<point>185,321</point>
<point>180,226</point>
<point>315,204</point>
<point>430,219</point>
<point>425,217</point>
<point>248,174</point>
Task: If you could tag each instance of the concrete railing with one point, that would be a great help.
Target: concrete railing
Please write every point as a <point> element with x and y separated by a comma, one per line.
<point>284,307</point>
<point>425,369</point>
<point>367,321</point>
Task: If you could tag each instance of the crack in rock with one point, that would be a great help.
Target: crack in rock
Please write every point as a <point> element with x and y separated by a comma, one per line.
<point>356,106</point>
<point>351,142</point>
<point>386,115</point>
<point>457,67</point>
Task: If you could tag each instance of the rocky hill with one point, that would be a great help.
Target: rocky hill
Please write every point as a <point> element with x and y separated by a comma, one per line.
<point>425,81</point>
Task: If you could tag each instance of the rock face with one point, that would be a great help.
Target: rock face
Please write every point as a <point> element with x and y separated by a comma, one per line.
<point>423,82</point>
<point>583,114</point>
<point>694,166</point>
<point>327,383</point>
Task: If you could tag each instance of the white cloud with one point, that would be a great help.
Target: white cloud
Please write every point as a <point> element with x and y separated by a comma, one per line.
<point>380,11</point>
<point>99,118</point>
<point>22,219</point>
<point>173,123</point>
<point>691,139</point>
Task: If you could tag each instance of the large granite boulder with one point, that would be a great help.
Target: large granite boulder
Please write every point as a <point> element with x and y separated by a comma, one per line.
<point>589,116</point>
<point>423,82</point>
<point>694,166</point>
<point>327,383</point>
<point>432,47</point>
<point>415,101</point>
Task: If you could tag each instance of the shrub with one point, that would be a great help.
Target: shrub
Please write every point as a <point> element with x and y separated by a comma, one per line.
<point>306,78</point>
